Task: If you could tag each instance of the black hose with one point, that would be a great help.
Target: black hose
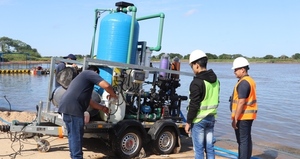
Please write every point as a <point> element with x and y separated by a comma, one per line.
<point>8,102</point>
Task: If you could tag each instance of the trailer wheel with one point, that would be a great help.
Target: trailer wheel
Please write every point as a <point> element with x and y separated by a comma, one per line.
<point>43,146</point>
<point>165,142</point>
<point>128,144</point>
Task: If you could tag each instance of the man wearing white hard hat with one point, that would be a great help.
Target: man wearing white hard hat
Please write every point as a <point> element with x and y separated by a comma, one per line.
<point>202,109</point>
<point>243,107</point>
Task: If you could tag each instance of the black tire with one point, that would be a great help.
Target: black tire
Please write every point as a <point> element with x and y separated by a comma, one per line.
<point>128,144</point>
<point>165,142</point>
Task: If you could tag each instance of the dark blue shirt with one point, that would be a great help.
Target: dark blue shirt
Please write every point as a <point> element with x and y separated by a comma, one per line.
<point>77,97</point>
<point>243,89</point>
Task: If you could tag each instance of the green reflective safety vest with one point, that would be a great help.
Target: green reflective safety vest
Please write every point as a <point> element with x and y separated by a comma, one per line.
<point>210,103</point>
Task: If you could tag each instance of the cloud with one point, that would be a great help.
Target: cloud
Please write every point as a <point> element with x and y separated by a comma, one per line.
<point>190,12</point>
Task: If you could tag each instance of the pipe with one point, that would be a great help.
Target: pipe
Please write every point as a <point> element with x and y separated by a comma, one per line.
<point>224,155</point>
<point>228,152</point>
<point>225,150</point>
<point>94,35</point>
<point>133,9</point>
<point>160,32</point>
<point>51,81</point>
<point>39,112</point>
<point>98,13</point>
<point>4,121</point>
<point>182,116</point>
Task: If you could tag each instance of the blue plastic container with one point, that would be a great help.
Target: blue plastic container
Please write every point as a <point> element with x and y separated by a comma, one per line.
<point>113,41</point>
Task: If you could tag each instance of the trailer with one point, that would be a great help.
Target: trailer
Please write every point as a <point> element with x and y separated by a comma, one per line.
<point>139,116</point>
<point>128,136</point>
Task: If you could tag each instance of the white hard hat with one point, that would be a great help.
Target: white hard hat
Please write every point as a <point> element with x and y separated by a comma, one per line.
<point>195,55</point>
<point>240,62</point>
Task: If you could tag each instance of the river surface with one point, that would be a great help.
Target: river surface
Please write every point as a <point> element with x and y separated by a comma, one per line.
<point>278,93</point>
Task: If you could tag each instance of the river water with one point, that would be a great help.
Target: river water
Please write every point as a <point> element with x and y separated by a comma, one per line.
<point>278,93</point>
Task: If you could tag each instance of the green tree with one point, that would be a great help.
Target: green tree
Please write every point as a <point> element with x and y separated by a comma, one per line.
<point>172,55</point>
<point>237,55</point>
<point>186,56</point>
<point>268,57</point>
<point>211,56</point>
<point>160,55</point>
<point>296,56</point>
<point>283,57</point>
<point>15,47</point>
<point>225,56</point>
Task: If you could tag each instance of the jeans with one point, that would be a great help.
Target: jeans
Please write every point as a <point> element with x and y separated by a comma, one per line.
<point>243,137</point>
<point>201,132</point>
<point>74,126</point>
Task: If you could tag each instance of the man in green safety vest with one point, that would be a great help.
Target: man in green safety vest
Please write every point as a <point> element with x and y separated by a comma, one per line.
<point>202,109</point>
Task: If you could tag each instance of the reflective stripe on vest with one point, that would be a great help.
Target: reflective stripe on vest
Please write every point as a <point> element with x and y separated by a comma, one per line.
<point>250,108</point>
<point>248,103</point>
<point>208,107</point>
<point>209,104</point>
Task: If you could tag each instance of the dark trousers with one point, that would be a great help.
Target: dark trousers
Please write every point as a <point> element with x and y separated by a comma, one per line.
<point>243,137</point>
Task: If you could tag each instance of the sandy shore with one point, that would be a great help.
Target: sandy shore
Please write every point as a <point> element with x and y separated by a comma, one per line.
<point>15,147</point>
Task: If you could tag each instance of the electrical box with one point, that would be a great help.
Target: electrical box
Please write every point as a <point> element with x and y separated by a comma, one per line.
<point>138,76</point>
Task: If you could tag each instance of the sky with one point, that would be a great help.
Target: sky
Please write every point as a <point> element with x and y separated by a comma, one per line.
<point>253,28</point>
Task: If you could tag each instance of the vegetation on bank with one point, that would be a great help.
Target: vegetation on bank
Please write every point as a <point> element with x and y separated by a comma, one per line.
<point>16,50</point>
<point>251,60</point>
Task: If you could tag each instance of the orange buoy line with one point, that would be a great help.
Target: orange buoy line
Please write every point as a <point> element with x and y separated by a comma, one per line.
<point>13,71</point>
<point>24,71</point>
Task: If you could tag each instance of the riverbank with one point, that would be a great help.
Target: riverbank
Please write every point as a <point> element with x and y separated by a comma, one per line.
<point>251,60</point>
<point>25,62</point>
<point>94,150</point>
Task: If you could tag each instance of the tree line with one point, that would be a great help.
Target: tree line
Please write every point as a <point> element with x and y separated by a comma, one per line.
<point>16,50</point>
<point>226,56</point>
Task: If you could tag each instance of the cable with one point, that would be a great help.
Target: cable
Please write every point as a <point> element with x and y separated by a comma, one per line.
<point>8,102</point>
<point>14,137</point>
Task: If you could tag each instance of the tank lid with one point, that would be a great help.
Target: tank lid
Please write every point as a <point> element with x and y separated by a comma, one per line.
<point>123,4</point>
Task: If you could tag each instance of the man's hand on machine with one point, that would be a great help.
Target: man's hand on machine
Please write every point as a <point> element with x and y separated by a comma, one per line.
<point>113,99</point>
<point>105,109</point>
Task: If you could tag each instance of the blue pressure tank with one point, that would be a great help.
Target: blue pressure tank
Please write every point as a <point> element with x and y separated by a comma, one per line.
<point>113,41</point>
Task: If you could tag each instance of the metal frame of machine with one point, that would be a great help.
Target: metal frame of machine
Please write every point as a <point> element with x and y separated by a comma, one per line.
<point>152,116</point>
<point>138,131</point>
